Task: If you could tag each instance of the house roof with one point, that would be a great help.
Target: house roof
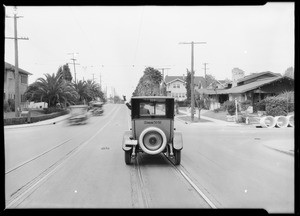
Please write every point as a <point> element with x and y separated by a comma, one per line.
<point>169,79</point>
<point>243,88</point>
<point>197,79</point>
<point>254,75</point>
<point>12,67</point>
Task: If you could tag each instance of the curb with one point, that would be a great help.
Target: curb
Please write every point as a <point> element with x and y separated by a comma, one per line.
<point>280,150</point>
<point>40,123</point>
<point>217,121</point>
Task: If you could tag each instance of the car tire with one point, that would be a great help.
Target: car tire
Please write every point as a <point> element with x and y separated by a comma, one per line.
<point>177,156</point>
<point>128,156</point>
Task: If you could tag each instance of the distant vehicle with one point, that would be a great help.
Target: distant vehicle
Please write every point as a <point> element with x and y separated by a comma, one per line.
<point>152,132</point>
<point>96,108</point>
<point>78,114</point>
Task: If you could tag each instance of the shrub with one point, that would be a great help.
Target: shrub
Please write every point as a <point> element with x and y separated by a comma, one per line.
<point>288,96</point>
<point>11,103</point>
<point>52,110</point>
<point>276,106</point>
<point>230,107</point>
<point>6,107</point>
<point>259,106</point>
<point>245,104</point>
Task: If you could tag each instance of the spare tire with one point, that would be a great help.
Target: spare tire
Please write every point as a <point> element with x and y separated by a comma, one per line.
<point>152,140</point>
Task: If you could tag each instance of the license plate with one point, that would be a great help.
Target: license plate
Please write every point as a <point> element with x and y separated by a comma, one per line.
<point>131,142</point>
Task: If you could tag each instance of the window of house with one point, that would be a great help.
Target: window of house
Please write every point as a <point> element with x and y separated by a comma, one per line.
<point>178,85</point>
<point>23,79</point>
<point>174,86</point>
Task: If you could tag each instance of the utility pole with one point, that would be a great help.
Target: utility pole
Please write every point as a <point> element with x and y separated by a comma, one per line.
<point>73,59</point>
<point>93,78</point>
<point>163,72</point>
<point>192,76</point>
<point>205,74</point>
<point>17,87</point>
<point>163,78</point>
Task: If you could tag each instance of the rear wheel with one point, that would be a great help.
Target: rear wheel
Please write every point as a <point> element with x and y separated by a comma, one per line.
<point>177,156</point>
<point>128,156</point>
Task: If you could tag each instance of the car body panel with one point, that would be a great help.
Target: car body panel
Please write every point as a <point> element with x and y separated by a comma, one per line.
<point>177,140</point>
<point>126,139</point>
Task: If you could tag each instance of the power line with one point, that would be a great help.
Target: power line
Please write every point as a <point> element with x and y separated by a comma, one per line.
<point>192,75</point>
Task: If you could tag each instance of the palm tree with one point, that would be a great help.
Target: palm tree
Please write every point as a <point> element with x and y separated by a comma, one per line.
<point>82,91</point>
<point>93,90</point>
<point>52,90</point>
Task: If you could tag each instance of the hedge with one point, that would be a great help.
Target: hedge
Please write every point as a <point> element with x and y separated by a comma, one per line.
<point>230,107</point>
<point>23,120</point>
<point>276,106</point>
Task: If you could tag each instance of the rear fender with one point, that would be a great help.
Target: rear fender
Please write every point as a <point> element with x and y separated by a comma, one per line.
<point>177,140</point>
<point>126,139</point>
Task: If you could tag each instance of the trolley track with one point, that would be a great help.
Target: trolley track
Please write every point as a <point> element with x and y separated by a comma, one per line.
<point>29,187</point>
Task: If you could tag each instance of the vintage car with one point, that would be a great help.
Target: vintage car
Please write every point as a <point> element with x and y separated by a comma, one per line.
<point>152,132</point>
<point>78,114</point>
<point>96,108</point>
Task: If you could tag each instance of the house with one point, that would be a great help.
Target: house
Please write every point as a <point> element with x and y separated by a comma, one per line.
<point>176,86</point>
<point>9,82</point>
<point>253,87</point>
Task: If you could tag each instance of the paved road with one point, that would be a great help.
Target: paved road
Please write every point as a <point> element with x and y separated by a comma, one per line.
<point>83,166</point>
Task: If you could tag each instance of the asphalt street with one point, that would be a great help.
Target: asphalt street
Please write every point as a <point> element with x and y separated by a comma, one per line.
<point>82,166</point>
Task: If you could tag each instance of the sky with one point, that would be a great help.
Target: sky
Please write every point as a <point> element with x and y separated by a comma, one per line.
<point>117,43</point>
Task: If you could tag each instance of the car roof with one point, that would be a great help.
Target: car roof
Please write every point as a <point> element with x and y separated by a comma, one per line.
<point>152,97</point>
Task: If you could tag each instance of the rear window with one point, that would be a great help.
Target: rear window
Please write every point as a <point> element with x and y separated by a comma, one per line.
<point>152,108</point>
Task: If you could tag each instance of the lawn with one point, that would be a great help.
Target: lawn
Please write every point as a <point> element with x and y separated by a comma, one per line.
<point>221,115</point>
<point>196,120</point>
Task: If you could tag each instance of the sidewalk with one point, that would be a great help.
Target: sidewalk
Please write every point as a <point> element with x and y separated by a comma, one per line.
<point>287,148</point>
<point>217,121</point>
<point>45,122</point>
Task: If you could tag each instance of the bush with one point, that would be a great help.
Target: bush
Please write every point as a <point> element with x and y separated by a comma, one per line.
<point>276,106</point>
<point>11,103</point>
<point>259,106</point>
<point>6,107</point>
<point>230,107</point>
<point>52,110</point>
<point>288,96</point>
<point>245,104</point>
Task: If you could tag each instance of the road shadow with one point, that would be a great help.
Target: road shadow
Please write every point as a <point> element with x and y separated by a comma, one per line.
<point>153,160</point>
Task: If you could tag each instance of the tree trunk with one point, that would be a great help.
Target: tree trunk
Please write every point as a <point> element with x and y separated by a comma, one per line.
<point>199,113</point>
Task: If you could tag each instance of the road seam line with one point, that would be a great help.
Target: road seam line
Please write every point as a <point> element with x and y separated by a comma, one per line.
<point>63,159</point>
<point>210,203</point>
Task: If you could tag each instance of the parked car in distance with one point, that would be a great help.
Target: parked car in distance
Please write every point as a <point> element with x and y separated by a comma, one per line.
<point>96,107</point>
<point>152,132</point>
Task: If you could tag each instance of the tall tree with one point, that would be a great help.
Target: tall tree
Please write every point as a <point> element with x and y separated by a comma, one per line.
<point>188,86</point>
<point>202,101</point>
<point>149,83</point>
<point>65,72</point>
